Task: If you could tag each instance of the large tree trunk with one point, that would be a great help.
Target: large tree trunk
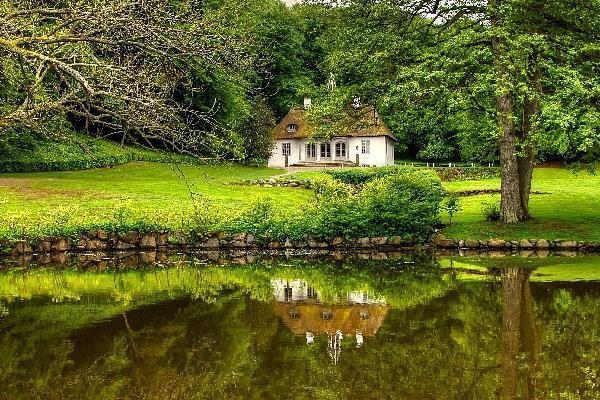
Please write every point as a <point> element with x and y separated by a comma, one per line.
<point>517,150</point>
<point>511,207</point>
<point>531,108</point>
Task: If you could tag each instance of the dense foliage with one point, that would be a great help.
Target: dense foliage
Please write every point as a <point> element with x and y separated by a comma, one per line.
<point>29,152</point>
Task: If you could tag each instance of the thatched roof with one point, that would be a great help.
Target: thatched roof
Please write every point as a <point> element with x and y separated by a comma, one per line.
<point>364,121</point>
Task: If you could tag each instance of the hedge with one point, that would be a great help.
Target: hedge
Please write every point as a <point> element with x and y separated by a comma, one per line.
<point>360,176</point>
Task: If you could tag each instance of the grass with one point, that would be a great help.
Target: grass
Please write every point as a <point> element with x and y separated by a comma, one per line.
<point>569,210</point>
<point>149,190</point>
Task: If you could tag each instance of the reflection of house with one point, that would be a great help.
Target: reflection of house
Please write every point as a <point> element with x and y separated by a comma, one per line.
<point>355,315</point>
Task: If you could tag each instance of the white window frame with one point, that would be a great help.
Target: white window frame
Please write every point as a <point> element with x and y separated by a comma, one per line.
<point>286,148</point>
<point>292,128</point>
<point>365,146</point>
<point>325,150</point>
<point>340,149</point>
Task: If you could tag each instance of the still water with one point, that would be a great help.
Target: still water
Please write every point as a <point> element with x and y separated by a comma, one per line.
<point>403,327</point>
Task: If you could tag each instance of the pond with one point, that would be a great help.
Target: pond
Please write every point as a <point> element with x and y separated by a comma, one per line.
<point>321,327</point>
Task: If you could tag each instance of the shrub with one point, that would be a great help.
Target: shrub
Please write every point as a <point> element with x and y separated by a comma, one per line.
<point>360,176</point>
<point>491,210</point>
<point>452,205</point>
<point>405,204</point>
<point>467,173</point>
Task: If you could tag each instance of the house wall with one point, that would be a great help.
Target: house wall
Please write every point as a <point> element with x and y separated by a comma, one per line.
<point>381,151</point>
<point>277,158</point>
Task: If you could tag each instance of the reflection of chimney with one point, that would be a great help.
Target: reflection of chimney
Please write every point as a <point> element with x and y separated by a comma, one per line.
<point>307,102</point>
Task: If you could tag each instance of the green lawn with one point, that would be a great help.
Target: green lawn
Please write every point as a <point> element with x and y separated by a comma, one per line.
<point>571,210</point>
<point>150,190</point>
<point>154,192</point>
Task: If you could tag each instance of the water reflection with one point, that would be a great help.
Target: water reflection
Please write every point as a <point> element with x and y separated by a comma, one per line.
<point>310,329</point>
<point>355,314</point>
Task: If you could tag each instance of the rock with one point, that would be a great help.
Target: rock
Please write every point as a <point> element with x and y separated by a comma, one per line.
<point>396,240</point>
<point>567,244</point>
<point>364,241</point>
<point>496,243</point>
<point>211,243</point>
<point>250,239</point>
<point>471,244</point>
<point>288,244</point>
<point>525,244</point>
<point>239,237</point>
<point>124,246</point>
<point>337,241</point>
<point>379,241</point>
<point>92,234</point>
<point>323,245</point>
<point>274,245</point>
<point>131,237</point>
<point>443,242</point>
<point>312,243</point>
<point>43,247</point>
<point>60,245</point>
<point>162,239</point>
<point>23,248</point>
<point>102,235</point>
<point>148,242</point>
<point>95,244</point>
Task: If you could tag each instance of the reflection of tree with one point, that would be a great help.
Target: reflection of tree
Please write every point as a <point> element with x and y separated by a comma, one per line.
<point>519,335</point>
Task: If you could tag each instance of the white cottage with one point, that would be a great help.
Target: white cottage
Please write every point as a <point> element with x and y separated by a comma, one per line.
<point>367,142</point>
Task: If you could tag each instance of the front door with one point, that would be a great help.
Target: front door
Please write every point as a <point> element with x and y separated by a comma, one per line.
<point>311,151</point>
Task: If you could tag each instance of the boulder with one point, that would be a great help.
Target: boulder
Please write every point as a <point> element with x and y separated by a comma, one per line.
<point>379,241</point>
<point>124,246</point>
<point>250,239</point>
<point>95,244</point>
<point>23,247</point>
<point>61,244</point>
<point>443,242</point>
<point>525,244</point>
<point>43,247</point>
<point>131,237</point>
<point>288,244</point>
<point>496,243</point>
<point>102,235</point>
<point>211,243</point>
<point>337,241</point>
<point>567,244</point>
<point>162,239</point>
<point>148,242</point>
<point>471,244</point>
<point>363,242</point>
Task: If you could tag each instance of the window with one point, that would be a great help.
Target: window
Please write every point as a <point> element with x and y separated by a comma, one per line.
<point>292,128</point>
<point>325,150</point>
<point>311,150</point>
<point>365,146</point>
<point>286,149</point>
<point>340,149</point>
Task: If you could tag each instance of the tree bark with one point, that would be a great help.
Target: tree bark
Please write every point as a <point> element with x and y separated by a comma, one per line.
<point>511,206</point>
<point>531,108</point>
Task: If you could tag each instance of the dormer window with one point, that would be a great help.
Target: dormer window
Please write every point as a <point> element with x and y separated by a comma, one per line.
<point>291,128</point>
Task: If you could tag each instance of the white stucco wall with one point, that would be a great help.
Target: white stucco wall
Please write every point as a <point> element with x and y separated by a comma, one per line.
<point>381,151</point>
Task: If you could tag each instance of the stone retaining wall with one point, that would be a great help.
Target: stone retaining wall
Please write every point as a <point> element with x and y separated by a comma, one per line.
<point>100,241</point>
<point>132,241</point>
<point>524,244</point>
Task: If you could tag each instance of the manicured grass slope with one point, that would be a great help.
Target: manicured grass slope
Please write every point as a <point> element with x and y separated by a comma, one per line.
<point>148,189</point>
